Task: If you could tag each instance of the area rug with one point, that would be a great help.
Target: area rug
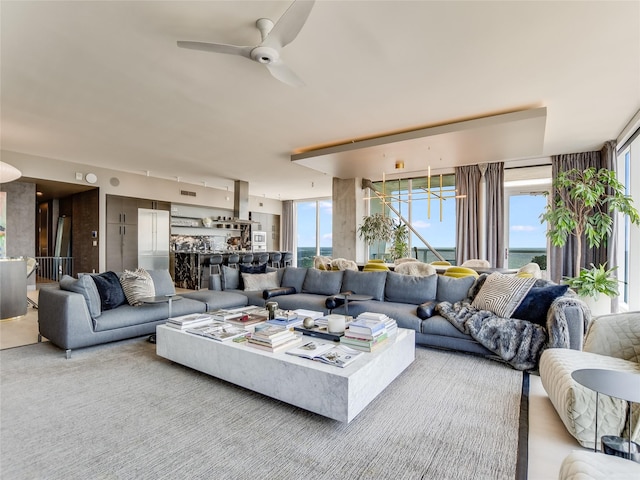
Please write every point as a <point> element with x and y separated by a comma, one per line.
<point>118,411</point>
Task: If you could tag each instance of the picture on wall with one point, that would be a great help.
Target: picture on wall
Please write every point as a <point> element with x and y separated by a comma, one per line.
<point>3,224</point>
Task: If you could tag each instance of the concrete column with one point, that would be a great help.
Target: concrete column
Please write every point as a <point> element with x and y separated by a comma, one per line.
<point>348,210</point>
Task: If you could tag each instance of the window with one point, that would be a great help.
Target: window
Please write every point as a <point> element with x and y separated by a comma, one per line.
<point>431,221</point>
<point>624,227</point>
<point>314,230</point>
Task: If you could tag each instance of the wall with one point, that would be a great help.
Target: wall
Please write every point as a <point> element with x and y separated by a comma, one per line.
<point>113,182</point>
<point>21,221</point>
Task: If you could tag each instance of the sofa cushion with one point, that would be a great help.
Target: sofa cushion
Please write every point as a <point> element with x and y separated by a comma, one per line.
<point>322,282</point>
<point>536,303</point>
<point>87,288</point>
<point>501,294</point>
<point>110,290</point>
<point>260,281</point>
<point>409,288</point>
<point>293,277</point>
<point>136,285</point>
<point>262,268</point>
<point>364,283</point>
<point>452,289</point>
<point>162,282</point>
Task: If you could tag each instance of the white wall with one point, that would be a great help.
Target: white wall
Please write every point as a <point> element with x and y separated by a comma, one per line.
<point>113,182</point>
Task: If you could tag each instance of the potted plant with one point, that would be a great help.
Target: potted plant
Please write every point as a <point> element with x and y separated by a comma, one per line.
<point>376,228</point>
<point>400,246</point>
<point>595,285</point>
<point>582,206</point>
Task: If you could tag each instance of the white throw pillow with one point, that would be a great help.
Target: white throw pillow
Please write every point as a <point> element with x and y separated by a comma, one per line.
<point>501,294</point>
<point>136,285</point>
<point>260,281</point>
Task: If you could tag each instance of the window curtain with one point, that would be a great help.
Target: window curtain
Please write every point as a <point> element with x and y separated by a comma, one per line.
<point>494,177</point>
<point>467,213</point>
<point>561,261</point>
<point>288,226</point>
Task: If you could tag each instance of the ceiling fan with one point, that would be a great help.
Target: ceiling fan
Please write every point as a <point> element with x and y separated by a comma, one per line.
<point>274,38</point>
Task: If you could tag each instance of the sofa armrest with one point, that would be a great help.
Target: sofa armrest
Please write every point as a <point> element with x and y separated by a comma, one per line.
<point>616,335</point>
<point>63,316</point>
<point>276,292</point>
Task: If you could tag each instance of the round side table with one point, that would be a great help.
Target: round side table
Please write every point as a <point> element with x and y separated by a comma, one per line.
<point>169,299</point>
<point>354,297</point>
<point>622,385</point>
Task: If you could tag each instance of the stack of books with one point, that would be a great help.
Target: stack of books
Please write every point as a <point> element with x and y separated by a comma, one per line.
<point>286,318</point>
<point>219,331</point>
<point>367,332</point>
<point>273,338</point>
<point>189,321</point>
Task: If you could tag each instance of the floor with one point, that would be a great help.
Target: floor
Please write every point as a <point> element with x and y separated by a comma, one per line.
<point>549,441</point>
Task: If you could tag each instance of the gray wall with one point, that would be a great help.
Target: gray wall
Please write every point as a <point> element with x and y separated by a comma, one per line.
<point>21,220</point>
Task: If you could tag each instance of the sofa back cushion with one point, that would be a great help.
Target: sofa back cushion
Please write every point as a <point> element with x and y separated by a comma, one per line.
<point>410,288</point>
<point>322,282</point>
<point>364,283</point>
<point>87,288</point>
<point>293,277</point>
<point>162,282</point>
<point>452,289</point>
<point>230,278</point>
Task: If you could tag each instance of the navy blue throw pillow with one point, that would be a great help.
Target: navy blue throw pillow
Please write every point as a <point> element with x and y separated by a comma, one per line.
<point>110,290</point>
<point>535,305</point>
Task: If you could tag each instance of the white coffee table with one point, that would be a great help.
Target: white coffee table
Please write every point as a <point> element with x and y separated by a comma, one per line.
<point>338,393</point>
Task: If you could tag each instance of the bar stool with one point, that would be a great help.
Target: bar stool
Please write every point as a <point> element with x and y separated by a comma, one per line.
<point>247,259</point>
<point>214,264</point>
<point>261,258</point>
<point>287,259</point>
<point>274,259</point>
<point>233,260</point>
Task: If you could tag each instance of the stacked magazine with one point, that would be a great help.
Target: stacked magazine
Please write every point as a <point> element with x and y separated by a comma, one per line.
<point>330,353</point>
<point>189,321</point>
<point>219,331</point>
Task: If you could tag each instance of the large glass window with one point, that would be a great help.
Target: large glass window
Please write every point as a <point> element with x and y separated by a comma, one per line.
<point>527,236</point>
<point>428,205</point>
<point>314,230</point>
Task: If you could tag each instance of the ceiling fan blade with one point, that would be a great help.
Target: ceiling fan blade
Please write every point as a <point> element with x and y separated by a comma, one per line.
<point>217,48</point>
<point>283,73</point>
<point>291,22</point>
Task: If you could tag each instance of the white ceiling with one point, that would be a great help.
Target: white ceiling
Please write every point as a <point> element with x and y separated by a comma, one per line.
<point>103,83</point>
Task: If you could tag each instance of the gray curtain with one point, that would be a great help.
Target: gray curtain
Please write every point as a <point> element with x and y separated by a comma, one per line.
<point>467,241</point>
<point>495,214</point>
<point>288,226</point>
<point>561,260</point>
<point>608,251</point>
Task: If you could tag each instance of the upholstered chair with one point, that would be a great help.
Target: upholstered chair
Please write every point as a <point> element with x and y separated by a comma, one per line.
<point>441,263</point>
<point>343,264</point>
<point>417,269</point>
<point>476,263</point>
<point>529,270</point>
<point>321,262</point>
<point>459,272</point>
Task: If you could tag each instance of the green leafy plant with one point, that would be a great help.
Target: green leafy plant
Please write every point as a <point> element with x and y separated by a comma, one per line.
<point>400,247</point>
<point>376,228</point>
<point>582,204</point>
<point>541,260</point>
<point>592,281</point>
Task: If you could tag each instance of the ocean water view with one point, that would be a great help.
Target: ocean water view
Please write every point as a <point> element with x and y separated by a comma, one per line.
<point>517,256</point>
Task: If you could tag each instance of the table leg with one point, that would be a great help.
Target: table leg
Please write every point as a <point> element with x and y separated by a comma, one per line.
<point>595,443</point>
<point>170,300</point>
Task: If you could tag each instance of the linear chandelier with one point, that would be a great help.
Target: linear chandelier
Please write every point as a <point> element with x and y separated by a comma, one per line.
<point>428,194</point>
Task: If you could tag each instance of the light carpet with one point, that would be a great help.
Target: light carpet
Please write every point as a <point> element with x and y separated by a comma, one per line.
<point>118,411</point>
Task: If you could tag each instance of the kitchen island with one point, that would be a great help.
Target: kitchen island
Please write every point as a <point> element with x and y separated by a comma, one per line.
<point>191,268</point>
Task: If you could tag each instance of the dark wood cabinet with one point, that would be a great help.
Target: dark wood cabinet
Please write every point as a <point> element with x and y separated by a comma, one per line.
<point>122,233</point>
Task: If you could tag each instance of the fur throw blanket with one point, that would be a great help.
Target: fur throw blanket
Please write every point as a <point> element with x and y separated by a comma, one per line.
<point>518,342</point>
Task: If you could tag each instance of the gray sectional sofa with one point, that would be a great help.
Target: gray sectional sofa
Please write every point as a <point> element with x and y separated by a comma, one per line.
<point>68,316</point>
<point>71,316</point>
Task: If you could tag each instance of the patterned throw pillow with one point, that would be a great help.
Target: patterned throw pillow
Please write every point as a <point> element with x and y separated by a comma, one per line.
<point>136,285</point>
<point>501,294</point>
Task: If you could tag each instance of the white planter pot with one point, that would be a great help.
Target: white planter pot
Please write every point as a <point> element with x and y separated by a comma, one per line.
<point>598,306</point>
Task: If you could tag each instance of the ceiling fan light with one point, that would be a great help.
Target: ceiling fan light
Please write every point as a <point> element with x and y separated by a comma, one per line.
<point>265,55</point>
<point>8,173</point>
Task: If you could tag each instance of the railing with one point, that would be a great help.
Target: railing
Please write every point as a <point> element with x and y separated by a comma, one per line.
<point>53,268</point>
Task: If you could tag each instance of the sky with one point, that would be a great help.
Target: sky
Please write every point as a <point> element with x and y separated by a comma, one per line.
<point>525,229</point>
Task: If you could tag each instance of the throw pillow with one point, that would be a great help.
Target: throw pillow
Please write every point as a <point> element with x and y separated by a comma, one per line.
<point>136,285</point>
<point>110,290</point>
<point>501,294</point>
<point>230,278</point>
<point>87,288</point>
<point>536,304</point>
<point>260,281</point>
